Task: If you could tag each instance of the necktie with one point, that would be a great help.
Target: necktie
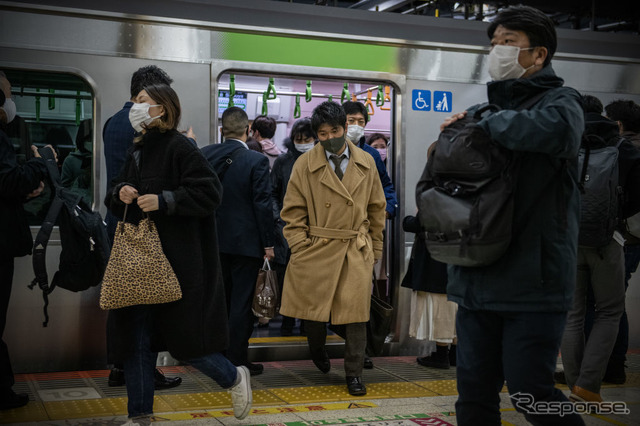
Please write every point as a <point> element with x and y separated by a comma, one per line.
<point>337,161</point>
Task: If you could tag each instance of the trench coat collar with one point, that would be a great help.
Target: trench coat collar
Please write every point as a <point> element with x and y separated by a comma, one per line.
<point>353,176</point>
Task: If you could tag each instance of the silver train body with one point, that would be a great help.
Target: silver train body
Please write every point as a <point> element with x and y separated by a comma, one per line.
<point>199,43</point>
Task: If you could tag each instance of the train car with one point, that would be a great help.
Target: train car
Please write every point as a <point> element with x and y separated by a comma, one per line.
<point>70,64</point>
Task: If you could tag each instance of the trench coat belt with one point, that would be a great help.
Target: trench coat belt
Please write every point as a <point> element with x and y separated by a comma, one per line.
<point>345,234</point>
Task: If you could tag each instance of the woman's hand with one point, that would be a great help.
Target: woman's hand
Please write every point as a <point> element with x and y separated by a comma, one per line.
<point>36,191</point>
<point>127,194</point>
<point>148,203</point>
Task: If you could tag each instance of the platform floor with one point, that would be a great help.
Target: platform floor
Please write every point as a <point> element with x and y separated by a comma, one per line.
<point>291,393</point>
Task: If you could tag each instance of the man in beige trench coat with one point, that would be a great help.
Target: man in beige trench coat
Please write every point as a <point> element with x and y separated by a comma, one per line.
<point>334,211</point>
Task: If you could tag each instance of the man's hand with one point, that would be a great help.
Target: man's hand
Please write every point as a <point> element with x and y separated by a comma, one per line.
<point>148,203</point>
<point>450,120</point>
<point>36,191</point>
<point>127,194</point>
<point>269,254</point>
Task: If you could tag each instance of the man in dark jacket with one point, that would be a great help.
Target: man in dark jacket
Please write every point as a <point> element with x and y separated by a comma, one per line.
<point>512,313</point>
<point>17,184</point>
<point>245,224</point>
<point>600,269</point>
<point>627,115</point>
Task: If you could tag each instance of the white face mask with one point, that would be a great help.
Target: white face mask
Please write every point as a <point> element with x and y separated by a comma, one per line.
<point>139,116</point>
<point>304,147</point>
<point>503,62</point>
<point>355,132</point>
<point>9,108</point>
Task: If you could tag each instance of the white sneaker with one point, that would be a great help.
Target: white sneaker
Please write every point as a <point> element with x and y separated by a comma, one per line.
<point>241,396</point>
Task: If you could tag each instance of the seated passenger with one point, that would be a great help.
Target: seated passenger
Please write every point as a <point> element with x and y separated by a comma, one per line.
<point>76,168</point>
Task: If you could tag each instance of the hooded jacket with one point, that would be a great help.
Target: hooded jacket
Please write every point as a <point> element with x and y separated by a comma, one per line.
<point>537,273</point>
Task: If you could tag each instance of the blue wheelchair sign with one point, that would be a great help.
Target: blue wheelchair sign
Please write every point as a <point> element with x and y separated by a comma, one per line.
<point>421,100</point>
<point>442,101</point>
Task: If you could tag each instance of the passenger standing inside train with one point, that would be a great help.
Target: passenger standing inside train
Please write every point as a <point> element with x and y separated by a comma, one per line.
<point>511,314</point>
<point>601,269</point>
<point>301,140</point>
<point>17,184</point>
<point>357,119</point>
<point>334,215</point>
<point>245,227</point>
<point>263,129</point>
<point>627,115</point>
<point>167,177</point>
<point>380,143</point>
<point>117,137</point>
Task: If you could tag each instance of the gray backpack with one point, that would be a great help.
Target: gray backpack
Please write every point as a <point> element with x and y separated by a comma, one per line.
<point>601,192</point>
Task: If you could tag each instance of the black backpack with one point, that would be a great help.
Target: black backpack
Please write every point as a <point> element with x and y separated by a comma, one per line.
<point>601,197</point>
<point>466,210</point>
<point>83,236</point>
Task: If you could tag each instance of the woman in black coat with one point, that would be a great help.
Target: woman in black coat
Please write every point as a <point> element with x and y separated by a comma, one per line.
<point>167,177</point>
<point>426,275</point>
<point>301,139</point>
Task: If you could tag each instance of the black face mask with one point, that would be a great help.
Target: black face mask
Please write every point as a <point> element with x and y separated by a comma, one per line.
<point>333,145</point>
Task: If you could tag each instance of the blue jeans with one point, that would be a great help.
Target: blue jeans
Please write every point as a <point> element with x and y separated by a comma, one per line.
<point>521,347</point>
<point>139,368</point>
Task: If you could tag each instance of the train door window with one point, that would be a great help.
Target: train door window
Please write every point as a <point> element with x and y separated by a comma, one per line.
<point>289,98</point>
<point>53,109</point>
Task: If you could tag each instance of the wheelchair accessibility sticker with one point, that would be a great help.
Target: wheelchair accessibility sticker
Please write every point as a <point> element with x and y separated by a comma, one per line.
<point>421,100</point>
<point>442,101</point>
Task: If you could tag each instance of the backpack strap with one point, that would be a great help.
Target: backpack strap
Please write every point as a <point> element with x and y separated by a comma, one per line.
<point>228,160</point>
<point>39,258</point>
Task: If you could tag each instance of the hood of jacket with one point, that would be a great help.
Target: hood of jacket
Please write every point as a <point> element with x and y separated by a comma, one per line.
<point>269,147</point>
<point>596,124</point>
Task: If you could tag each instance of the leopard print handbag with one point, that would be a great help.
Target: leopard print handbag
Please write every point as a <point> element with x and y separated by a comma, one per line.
<point>138,272</point>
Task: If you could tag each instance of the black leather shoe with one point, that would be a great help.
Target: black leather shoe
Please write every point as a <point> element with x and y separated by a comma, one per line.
<point>116,377</point>
<point>355,386</point>
<point>13,400</point>
<point>164,382</point>
<point>368,364</point>
<point>558,377</point>
<point>321,360</point>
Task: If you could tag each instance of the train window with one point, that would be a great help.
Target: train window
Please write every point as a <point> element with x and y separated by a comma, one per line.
<point>54,109</point>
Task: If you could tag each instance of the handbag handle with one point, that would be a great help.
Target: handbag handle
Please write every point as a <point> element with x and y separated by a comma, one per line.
<point>124,217</point>
<point>266,263</point>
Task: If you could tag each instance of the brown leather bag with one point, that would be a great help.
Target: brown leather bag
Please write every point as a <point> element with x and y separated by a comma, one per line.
<point>138,272</point>
<point>265,298</point>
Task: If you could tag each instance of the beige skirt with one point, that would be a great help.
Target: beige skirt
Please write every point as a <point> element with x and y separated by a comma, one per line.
<point>433,317</point>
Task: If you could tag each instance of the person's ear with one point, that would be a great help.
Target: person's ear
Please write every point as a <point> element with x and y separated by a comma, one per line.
<point>540,55</point>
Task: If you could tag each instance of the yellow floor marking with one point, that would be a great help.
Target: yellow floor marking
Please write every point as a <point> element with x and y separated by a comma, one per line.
<point>61,410</point>
<point>32,412</point>
<point>197,401</point>
<point>264,410</point>
<point>290,339</point>
<point>440,387</point>
<point>399,390</point>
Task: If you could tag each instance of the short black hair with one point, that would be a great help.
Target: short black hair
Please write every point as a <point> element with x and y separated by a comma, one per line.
<point>302,127</point>
<point>625,111</point>
<point>265,125</point>
<point>330,113</point>
<point>591,104</point>
<point>148,76</point>
<point>351,107</point>
<point>234,122</point>
<point>538,27</point>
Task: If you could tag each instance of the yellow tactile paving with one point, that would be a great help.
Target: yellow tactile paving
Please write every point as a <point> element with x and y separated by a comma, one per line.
<point>197,401</point>
<point>399,390</point>
<point>265,397</point>
<point>82,408</point>
<point>440,387</point>
<point>32,412</point>
<point>314,394</point>
<point>290,339</point>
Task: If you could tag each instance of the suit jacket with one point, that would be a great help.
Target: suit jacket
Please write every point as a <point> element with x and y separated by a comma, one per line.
<point>117,136</point>
<point>244,218</point>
